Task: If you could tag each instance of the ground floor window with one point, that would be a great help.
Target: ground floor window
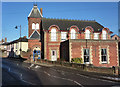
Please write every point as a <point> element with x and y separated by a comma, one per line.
<point>86,55</point>
<point>104,55</point>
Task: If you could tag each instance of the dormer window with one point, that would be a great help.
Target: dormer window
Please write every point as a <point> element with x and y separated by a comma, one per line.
<point>53,35</point>
<point>96,35</point>
<point>33,25</point>
<point>73,32</point>
<point>87,34</point>
<point>104,35</point>
<point>63,36</point>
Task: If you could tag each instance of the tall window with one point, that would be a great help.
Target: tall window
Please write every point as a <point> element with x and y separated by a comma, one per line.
<point>103,55</point>
<point>33,25</point>
<point>53,35</point>
<point>63,36</point>
<point>96,36</point>
<point>86,55</point>
<point>104,35</point>
<point>87,34</point>
<point>37,26</point>
<point>73,36</point>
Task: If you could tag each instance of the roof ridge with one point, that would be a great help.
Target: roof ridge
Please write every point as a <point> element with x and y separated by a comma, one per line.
<point>70,19</point>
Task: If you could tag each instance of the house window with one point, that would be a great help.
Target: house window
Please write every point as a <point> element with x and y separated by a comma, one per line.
<point>115,38</point>
<point>53,35</point>
<point>37,26</point>
<point>86,55</point>
<point>33,25</point>
<point>87,34</point>
<point>103,55</point>
<point>104,35</point>
<point>73,36</point>
<point>63,36</point>
<point>96,36</point>
<point>16,45</point>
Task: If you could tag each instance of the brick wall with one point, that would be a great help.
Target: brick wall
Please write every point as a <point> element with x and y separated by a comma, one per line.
<point>95,46</point>
<point>33,20</point>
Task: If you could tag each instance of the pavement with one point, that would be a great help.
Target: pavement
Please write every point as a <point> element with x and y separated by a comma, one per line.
<point>17,73</point>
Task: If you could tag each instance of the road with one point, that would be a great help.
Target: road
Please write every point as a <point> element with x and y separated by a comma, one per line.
<point>20,73</point>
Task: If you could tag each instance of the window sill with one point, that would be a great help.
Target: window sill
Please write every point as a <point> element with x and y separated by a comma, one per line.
<point>104,62</point>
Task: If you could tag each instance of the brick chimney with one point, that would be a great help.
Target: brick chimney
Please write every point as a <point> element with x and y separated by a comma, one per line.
<point>41,11</point>
<point>5,39</point>
<point>2,40</point>
<point>25,37</point>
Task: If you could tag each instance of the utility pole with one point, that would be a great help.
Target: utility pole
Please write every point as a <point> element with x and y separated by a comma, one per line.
<point>20,38</point>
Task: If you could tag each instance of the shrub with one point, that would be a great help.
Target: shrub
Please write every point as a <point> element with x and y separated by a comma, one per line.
<point>77,60</point>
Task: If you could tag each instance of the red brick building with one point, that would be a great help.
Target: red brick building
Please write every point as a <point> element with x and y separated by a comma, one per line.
<point>62,38</point>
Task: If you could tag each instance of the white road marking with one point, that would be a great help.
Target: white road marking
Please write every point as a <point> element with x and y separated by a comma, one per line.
<point>37,66</point>
<point>84,76</point>
<point>64,79</point>
<point>20,75</point>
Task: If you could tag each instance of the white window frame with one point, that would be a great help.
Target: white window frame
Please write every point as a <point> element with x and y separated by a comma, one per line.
<point>53,34</point>
<point>104,34</point>
<point>37,26</point>
<point>88,55</point>
<point>73,34</point>
<point>87,34</point>
<point>63,36</point>
<point>33,25</point>
<point>104,55</point>
<point>96,35</point>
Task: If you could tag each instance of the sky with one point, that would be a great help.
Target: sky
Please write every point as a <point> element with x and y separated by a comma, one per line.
<point>16,13</point>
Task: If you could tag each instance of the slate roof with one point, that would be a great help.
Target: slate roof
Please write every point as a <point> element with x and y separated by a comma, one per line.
<point>35,35</point>
<point>35,13</point>
<point>63,24</point>
<point>18,40</point>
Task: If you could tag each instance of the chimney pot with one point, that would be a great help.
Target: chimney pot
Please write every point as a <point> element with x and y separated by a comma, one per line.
<point>41,11</point>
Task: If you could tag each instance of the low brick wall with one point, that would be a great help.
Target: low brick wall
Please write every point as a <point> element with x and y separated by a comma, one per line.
<point>83,67</point>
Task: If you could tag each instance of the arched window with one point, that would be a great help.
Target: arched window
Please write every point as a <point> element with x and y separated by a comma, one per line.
<point>87,34</point>
<point>37,26</point>
<point>104,35</point>
<point>73,36</point>
<point>53,35</point>
<point>33,25</point>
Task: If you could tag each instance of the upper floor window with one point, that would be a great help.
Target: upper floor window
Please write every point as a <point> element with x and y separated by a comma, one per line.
<point>73,36</point>
<point>63,36</point>
<point>35,26</point>
<point>53,35</point>
<point>96,36</point>
<point>87,34</point>
<point>104,35</point>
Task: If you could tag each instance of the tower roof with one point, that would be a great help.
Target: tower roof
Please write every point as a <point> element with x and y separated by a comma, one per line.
<point>35,12</point>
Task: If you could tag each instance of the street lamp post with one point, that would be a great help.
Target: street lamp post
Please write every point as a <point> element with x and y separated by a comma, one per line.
<point>20,37</point>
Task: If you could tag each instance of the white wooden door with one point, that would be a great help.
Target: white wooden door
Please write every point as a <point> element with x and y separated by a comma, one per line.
<point>53,55</point>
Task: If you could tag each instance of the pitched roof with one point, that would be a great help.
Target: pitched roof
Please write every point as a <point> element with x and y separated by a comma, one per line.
<point>114,35</point>
<point>35,13</point>
<point>18,40</point>
<point>63,24</point>
<point>35,35</point>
